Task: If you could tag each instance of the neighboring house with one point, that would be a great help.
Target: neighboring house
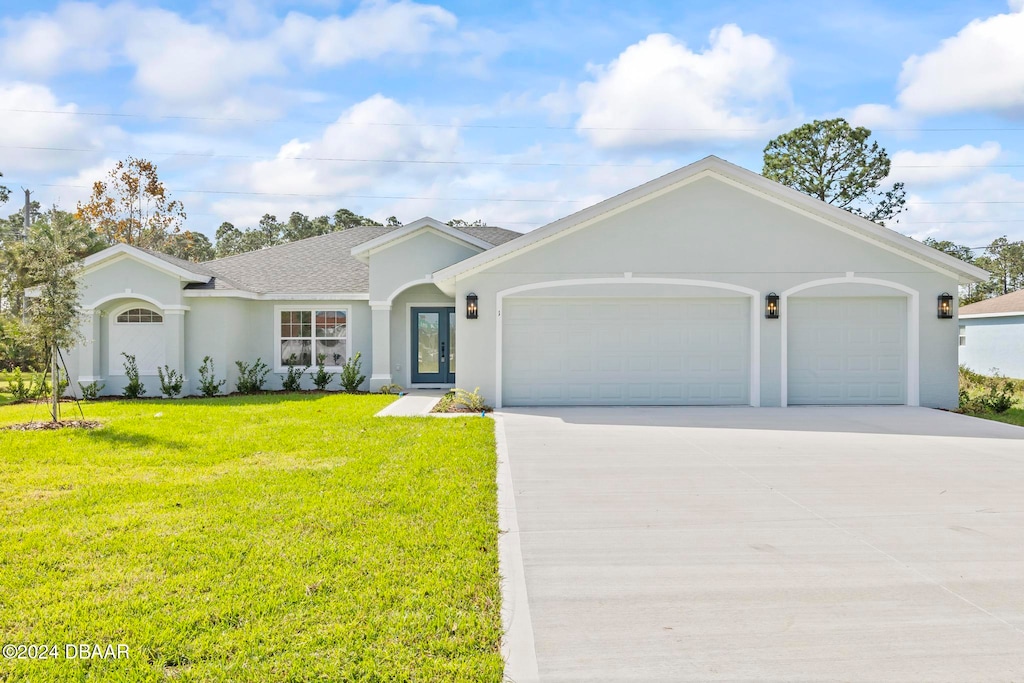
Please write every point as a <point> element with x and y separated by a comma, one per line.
<point>655,296</point>
<point>992,335</point>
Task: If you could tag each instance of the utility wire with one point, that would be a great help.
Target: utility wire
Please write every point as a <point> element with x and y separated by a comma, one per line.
<point>528,200</point>
<point>402,124</point>
<point>446,162</point>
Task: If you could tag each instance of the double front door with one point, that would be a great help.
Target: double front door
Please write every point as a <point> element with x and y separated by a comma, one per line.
<point>433,345</point>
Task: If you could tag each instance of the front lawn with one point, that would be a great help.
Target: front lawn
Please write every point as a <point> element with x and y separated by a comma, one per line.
<point>268,538</point>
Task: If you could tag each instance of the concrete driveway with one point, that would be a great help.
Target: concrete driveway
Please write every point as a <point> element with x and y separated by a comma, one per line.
<point>763,544</point>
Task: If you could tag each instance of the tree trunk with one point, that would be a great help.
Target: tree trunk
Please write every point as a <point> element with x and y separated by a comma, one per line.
<point>55,384</point>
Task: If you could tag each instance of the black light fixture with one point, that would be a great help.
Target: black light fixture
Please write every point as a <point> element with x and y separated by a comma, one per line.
<point>771,306</point>
<point>471,310</point>
<point>945,305</point>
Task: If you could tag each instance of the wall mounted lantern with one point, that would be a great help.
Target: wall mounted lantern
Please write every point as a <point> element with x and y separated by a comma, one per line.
<point>945,305</point>
<point>471,309</point>
<point>771,306</point>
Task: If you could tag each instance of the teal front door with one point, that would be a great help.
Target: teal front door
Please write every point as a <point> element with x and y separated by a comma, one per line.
<point>433,345</point>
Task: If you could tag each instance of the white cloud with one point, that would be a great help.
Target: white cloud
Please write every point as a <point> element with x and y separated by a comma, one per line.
<point>732,90</point>
<point>373,30</point>
<point>293,172</point>
<point>77,36</point>
<point>180,62</point>
<point>207,68</point>
<point>20,131</point>
<point>878,116</point>
<point>1016,5</point>
<point>932,168</point>
<point>980,68</point>
<point>968,214</point>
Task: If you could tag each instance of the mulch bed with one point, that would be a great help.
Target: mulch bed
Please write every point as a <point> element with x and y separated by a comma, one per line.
<point>63,424</point>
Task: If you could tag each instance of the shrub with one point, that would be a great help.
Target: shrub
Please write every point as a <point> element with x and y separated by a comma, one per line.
<point>446,404</point>
<point>321,378</point>
<point>981,394</point>
<point>19,388</point>
<point>390,389</point>
<point>134,387</point>
<point>171,381</point>
<point>351,378</point>
<point>208,384</point>
<point>91,391</point>
<point>293,379</point>
<point>472,401</point>
<point>251,377</point>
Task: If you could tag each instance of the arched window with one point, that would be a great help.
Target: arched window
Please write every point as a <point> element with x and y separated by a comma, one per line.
<point>139,315</point>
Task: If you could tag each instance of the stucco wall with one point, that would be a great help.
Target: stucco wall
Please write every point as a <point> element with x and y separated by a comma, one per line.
<point>125,277</point>
<point>994,343</point>
<point>711,231</point>
<point>413,258</point>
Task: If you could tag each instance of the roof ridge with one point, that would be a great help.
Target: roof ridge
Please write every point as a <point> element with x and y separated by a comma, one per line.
<point>332,234</point>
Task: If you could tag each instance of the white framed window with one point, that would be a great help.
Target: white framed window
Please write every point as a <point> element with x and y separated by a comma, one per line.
<point>139,316</point>
<point>306,332</point>
<point>963,335</point>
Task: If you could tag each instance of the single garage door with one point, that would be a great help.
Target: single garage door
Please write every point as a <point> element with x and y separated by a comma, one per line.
<point>847,351</point>
<point>583,351</point>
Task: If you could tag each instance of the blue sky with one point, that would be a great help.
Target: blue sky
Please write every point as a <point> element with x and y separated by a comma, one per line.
<point>514,113</point>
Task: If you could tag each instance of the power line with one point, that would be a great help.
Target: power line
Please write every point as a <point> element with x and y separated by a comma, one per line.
<point>445,162</point>
<point>528,200</point>
<point>403,124</point>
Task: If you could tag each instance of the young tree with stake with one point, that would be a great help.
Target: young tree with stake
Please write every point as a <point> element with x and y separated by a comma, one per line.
<point>53,267</point>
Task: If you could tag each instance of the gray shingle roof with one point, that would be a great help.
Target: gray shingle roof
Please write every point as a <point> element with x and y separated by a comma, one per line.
<point>316,264</point>
<point>191,266</point>
<point>1007,303</point>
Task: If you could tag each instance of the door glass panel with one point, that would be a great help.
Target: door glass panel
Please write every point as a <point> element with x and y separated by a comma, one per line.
<point>428,342</point>
<point>451,342</point>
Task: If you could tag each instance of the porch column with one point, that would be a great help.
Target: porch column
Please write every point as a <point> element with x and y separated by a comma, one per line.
<point>88,348</point>
<point>381,333</point>
<point>174,351</point>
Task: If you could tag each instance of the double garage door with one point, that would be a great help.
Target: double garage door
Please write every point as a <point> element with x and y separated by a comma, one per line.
<point>577,351</point>
<point>696,351</point>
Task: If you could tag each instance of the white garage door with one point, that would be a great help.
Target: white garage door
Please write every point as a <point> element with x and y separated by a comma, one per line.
<point>847,351</point>
<point>625,351</point>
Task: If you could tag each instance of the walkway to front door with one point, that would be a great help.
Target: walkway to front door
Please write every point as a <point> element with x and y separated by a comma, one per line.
<point>433,345</point>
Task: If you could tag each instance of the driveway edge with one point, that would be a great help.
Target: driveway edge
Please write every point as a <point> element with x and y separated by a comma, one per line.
<point>517,647</point>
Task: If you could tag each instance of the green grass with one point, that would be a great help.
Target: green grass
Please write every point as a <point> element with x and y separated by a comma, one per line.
<point>268,538</point>
<point>1014,416</point>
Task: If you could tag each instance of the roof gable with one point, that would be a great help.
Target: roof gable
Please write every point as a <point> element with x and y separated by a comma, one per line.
<point>425,224</point>
<point>185,270</point>
<point>714,167</point>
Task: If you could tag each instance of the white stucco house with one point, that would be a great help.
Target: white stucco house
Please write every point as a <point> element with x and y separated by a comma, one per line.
<point>992,335</point>
<point>708,286</point>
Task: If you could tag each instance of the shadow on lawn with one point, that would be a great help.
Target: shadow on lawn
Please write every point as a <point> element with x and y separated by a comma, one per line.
<point>133,439</point>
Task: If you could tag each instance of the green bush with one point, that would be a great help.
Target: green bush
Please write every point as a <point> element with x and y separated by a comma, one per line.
<point>351,377</point>
<point>208,384</point>
<point>91,391</point>
<point>981,394</point>
<point>390,389</point>
<point>293,379</point>
<point>134,387</point>
<point>471,401</point>
<point>251,377</point>
<point>16,347</point>
<point>171,381</point>
<point>19,388</point>
<point>321,378</point>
